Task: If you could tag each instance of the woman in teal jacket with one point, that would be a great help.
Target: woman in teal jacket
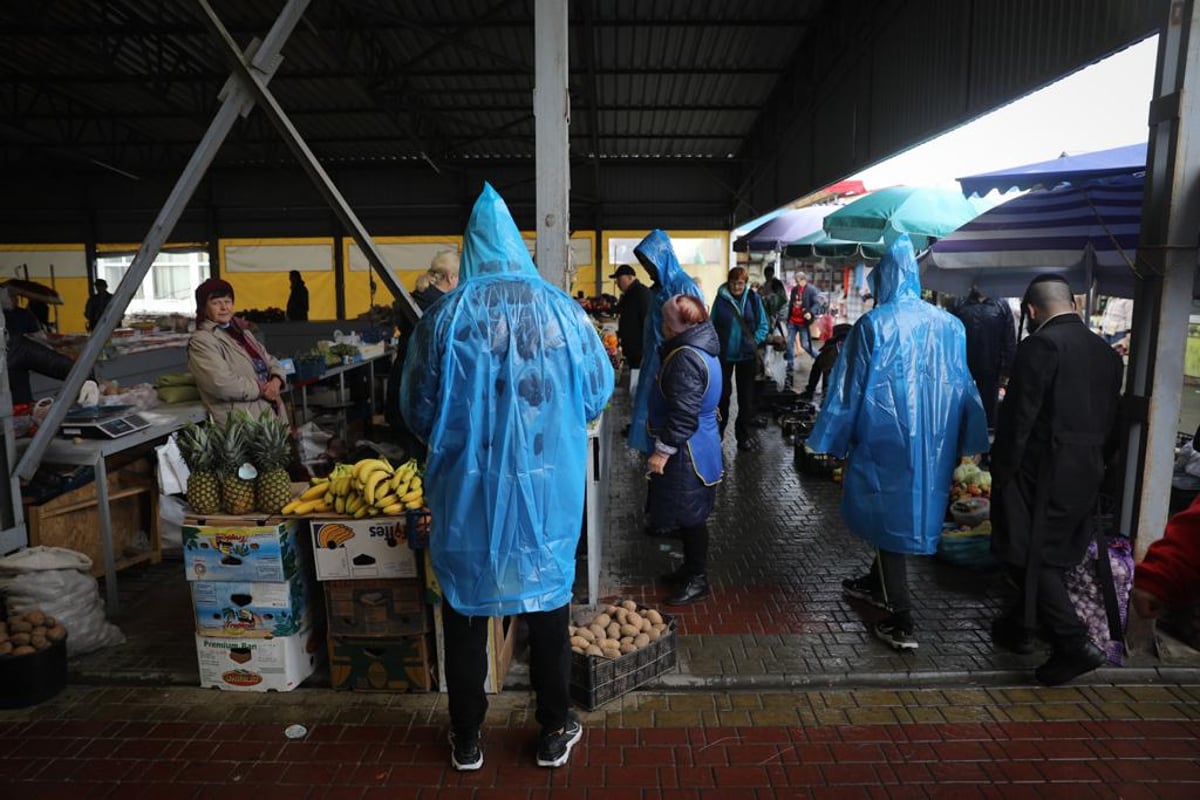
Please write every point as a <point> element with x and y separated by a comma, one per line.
<point>741,325</point>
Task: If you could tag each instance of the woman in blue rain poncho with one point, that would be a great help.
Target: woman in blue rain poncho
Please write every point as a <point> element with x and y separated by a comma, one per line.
<point>502,376</point>
<point>902,409</point>
<point>658,257</point>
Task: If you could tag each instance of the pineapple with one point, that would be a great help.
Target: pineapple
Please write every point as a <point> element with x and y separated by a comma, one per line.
<point>237,477</point>
<point>203,486</point>
<point>272,451</point>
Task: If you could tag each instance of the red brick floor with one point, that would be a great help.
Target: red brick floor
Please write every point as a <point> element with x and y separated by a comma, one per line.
<point>77,754</point>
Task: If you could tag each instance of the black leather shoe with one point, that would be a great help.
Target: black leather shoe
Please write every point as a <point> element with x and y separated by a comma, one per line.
<point>695,589</point>
<point>1064,666</point>
<point>1012,636</point>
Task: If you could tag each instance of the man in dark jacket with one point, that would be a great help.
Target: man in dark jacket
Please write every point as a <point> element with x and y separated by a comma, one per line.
<point>803,307</point>
<point>635,302</point>
<point>991,342</point>
<point>1055,432</point>
<point>96,304</point>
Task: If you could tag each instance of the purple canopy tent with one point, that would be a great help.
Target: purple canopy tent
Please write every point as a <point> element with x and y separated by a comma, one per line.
<point>1076,169</point>
<point>775,234</point>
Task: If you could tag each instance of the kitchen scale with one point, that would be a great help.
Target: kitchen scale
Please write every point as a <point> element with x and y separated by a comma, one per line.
<point>102,422</point>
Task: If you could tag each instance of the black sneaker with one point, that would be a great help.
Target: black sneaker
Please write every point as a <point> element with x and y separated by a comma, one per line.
<point>465,753</point>
<point>554,748</point>
<point>863,589</point>
<point>896,633</point>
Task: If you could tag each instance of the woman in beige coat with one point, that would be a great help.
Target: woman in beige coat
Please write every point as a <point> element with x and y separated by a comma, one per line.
<point>232,369</point>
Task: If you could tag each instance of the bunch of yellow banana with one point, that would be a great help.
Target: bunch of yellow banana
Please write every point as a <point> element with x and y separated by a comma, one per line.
<point>368,488</point>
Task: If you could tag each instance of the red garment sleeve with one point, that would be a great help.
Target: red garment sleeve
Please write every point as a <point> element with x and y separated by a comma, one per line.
<point>1171,569</point>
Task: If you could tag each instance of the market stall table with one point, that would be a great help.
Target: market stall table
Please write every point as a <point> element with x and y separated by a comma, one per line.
<point>163,421</point>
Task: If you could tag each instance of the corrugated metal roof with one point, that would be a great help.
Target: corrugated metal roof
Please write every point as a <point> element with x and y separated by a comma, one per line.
<point>717,94</point>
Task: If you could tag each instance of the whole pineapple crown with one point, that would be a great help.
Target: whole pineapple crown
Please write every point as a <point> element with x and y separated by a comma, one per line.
<point>196,446</point>
<point>234,442</point>
<point>272,443</point>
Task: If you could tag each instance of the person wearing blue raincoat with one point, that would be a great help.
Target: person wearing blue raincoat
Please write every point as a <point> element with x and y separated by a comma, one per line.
<point>902,409</point>
<point>501,378</point>
<point>657,256</point>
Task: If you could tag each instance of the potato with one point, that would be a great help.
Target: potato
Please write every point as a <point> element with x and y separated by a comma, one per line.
<point>610,644</point>
<point>635,619</point>
<point>652,634</point>
<point>40,642</point>
<point>646,624</point>
<point>579,643</point>
<point>57,633</point>
<point>579,650</point>
<point>3,628</point>
<point>585,633</point>
<point>654,617</point>
<point>19,626</point>
<point>593,650</point>
<point>621,615</point>
<point>629,605</point>
<point>630,630</point>
<point>613,630</point>
<point>610,610</point>
<point>39,630</point>
<point>626,640</point>
<point>598,631</point>
<point>613,653</point>
<point>50,621</point>
<point>23,650</point>
<point>641,640</point>
<point>21,639</point>
<point>659,626</point>
<point>35,617</point>
<point>6,648</point>
<point>602,620</point>
<point>628,647</point>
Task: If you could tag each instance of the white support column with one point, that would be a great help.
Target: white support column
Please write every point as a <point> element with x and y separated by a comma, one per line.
<point>1167,256</point>
<point>552,113</point>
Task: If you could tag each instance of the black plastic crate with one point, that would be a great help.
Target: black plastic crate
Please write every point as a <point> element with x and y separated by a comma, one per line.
<point>596,680</point>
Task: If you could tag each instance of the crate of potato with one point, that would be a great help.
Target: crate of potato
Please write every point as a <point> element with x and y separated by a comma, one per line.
<point>33,659</point>
<point>622,648</point>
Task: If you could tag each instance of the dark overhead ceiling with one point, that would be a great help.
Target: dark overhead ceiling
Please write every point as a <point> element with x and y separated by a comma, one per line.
<point>682,111</point>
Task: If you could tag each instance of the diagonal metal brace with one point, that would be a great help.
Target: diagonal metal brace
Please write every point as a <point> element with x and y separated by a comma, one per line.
<point>231,106</point>
<point>251,81</point>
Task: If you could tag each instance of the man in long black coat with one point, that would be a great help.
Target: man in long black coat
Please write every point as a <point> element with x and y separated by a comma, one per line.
<point>1056,430</point>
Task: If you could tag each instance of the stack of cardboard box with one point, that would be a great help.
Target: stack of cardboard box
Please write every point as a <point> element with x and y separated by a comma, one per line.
<point>257,613</point>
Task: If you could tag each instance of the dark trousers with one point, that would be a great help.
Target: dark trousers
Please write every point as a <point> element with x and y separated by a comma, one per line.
<point>821,369</point>
<point>989,393</point>
<point>1055,611</point>
<point>695,549</point>
<point>466,666</point>
<point>745,372</point>
<point>891,571</point>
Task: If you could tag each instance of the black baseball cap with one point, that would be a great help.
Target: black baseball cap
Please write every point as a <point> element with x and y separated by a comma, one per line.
<point>624,269</point>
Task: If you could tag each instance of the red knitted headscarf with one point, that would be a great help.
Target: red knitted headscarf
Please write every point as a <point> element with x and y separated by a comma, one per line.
<point>213,287</point>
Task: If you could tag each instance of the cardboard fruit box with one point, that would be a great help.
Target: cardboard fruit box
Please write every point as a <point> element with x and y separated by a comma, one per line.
<point>350,549</point>
<point>240,549</point>
<point>399,664</point>
<point>259,665</point>
<point>253,610</point>
<point>380,608</point>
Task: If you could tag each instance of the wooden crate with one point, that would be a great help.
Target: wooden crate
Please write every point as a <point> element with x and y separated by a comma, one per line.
<point>72,520</point>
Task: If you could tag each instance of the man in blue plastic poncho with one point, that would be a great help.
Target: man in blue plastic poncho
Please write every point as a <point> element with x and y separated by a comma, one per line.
<point>902,409</point>
<point>502,376</point>
<point>656,254</point>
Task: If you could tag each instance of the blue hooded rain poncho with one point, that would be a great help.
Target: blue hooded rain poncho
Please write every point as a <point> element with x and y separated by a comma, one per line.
<point>658,257</point>
<point>902,409</point>
<point>502,376</point>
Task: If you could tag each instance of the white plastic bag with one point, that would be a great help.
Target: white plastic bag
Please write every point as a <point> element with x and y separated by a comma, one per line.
<point>59,582</point>
<point>775,367</point>
<point>171,512</point>
<point>313,441</point>
<point>173,471</point>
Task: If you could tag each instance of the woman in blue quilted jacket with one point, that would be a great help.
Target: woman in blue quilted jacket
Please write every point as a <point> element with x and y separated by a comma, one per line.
<point>741,325</point>
<point>686,464</point>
